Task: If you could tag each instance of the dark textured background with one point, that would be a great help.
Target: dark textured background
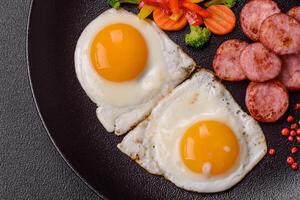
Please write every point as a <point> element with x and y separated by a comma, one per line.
<point>30,167</point>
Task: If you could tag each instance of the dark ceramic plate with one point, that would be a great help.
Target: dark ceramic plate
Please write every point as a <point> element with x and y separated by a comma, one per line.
<point>69,115</point>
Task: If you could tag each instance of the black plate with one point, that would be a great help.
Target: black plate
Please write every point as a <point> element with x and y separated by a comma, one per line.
<point>69,115</point>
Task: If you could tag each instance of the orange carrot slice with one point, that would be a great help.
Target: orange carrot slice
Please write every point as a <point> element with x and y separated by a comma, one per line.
<point>164,22</point>
<point>222,20</point>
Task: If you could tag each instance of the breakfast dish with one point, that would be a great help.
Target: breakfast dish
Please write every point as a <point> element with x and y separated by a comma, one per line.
<point>168,126</point>
<point>192,131</point>
<point>126,65</point>
<point>208,145</point>
<point>182,125</point>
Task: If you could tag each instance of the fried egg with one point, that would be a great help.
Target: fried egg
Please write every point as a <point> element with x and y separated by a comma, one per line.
<point>197,137</point>
<point>126,65</point>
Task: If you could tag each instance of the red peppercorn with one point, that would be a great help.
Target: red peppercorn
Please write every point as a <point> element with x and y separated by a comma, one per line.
<point>294,166</point>
<point>285,132</point>
<point>297,106</point>
<point>294,126</point>
<point>294,150</point>
<point>293,133</point>
<point>272,152</point>
<point>290,160</point>
<point>290,118</point>
<point>298,131</point>
<point>291,139</point>
<point>298,139</point>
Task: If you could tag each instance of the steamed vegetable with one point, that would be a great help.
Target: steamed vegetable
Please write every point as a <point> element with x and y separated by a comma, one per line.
<point>197,37</point>
<point>228,3</point>
<point>174,15</point>
<point>166,23</point>
<point>117,3</point>
<point>222,21</point>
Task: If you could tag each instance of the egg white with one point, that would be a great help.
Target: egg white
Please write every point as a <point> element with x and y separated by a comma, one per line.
<point>154,144</point>
<point>125,93</point>
<point>122,105</point>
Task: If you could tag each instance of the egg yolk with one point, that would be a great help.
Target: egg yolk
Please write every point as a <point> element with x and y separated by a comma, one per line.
<point>209,147</point>
<point>119,53</point>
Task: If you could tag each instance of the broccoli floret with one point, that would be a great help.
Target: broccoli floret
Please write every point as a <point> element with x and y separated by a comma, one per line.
<point>117,3</point>
<point>197,37</point>
<point>228,3</point>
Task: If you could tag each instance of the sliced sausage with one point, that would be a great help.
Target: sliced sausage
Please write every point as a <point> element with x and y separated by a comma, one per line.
<point>281,34</point>
<point>259,64</point>
<point>290,74</point>
<point>295,12</point>
<point>254,13</point>
<point>267,101</point>
<point>226,62</point>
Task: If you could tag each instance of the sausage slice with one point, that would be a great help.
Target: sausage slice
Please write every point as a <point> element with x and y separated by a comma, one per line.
<point>226,62</point>
<point>281,34</point>
<point>254,13</point>
<point>259,63</point>
<point>268,101</point>
<point>290,74</point>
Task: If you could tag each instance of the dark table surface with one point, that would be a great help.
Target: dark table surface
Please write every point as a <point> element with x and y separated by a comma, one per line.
<point>30,166</point>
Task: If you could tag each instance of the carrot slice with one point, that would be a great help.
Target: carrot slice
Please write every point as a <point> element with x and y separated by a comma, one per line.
<point>165,23</point>
<point>222,21</point>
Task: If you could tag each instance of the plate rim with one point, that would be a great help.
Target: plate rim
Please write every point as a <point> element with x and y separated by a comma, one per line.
<point>28,63</point>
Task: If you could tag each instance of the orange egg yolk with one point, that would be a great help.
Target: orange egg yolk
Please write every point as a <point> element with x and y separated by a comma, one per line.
<point>119,53</point>
<point>209,146</point>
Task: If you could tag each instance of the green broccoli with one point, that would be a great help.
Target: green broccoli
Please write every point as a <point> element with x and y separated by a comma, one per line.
<point>117,3</point>
<point>228,3</point>
<point>197,37</point>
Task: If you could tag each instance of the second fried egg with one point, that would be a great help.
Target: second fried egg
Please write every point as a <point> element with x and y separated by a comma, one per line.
<point>197,137</point>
